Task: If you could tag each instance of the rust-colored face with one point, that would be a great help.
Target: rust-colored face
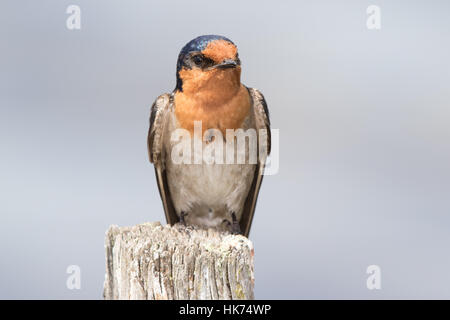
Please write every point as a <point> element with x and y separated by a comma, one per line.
<point>220,51</point>
<point>211,90</point>
<point>215,67</point>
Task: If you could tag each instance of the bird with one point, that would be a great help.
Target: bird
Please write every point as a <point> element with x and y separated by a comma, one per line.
<point>208,90</point>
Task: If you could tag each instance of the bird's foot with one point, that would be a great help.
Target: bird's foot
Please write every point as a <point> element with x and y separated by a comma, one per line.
<point>235,227</point>
<point>182,220</point>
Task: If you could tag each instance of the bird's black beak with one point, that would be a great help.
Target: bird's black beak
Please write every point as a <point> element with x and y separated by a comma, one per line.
<point>228,63</point>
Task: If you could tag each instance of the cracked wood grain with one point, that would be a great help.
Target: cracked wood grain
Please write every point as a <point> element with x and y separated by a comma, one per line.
<point>155,262</point>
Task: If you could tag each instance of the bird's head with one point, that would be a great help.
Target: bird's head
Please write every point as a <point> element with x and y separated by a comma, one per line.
<point>208,63</point>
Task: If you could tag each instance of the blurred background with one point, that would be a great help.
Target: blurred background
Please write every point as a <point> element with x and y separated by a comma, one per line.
<point>364,139</point>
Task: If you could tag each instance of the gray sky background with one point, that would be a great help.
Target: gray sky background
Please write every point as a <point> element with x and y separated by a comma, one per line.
<point>364,139</point>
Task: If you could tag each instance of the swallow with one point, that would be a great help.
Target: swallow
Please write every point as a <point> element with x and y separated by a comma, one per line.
<point>208,89</point>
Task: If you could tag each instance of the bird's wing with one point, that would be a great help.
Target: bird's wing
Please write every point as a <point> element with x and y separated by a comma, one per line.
<point>156,153</point>
<point>262,122</point>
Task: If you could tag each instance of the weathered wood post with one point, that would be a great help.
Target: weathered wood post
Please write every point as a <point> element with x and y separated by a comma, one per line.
<point>150,261</point>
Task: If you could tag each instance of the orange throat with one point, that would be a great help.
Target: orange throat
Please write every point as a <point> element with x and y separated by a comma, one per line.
<point>214,97</point>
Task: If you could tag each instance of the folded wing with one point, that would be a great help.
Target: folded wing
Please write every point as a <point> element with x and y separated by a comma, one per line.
<point>262,122</point>
<point>156,152</point>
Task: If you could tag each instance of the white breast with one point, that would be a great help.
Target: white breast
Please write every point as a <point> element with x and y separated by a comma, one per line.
<point>207,192</point>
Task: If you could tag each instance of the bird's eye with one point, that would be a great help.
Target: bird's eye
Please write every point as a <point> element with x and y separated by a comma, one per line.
<point>198,60</point>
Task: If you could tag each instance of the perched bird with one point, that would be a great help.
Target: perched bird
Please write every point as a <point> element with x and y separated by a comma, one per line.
<point>208,89</point>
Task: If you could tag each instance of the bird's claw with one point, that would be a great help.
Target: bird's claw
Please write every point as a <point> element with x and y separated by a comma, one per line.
<point>235,227</point>
<point>182,220</point>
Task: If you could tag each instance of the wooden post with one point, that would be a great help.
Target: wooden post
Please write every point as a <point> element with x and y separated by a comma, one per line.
<point>150,261</point>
